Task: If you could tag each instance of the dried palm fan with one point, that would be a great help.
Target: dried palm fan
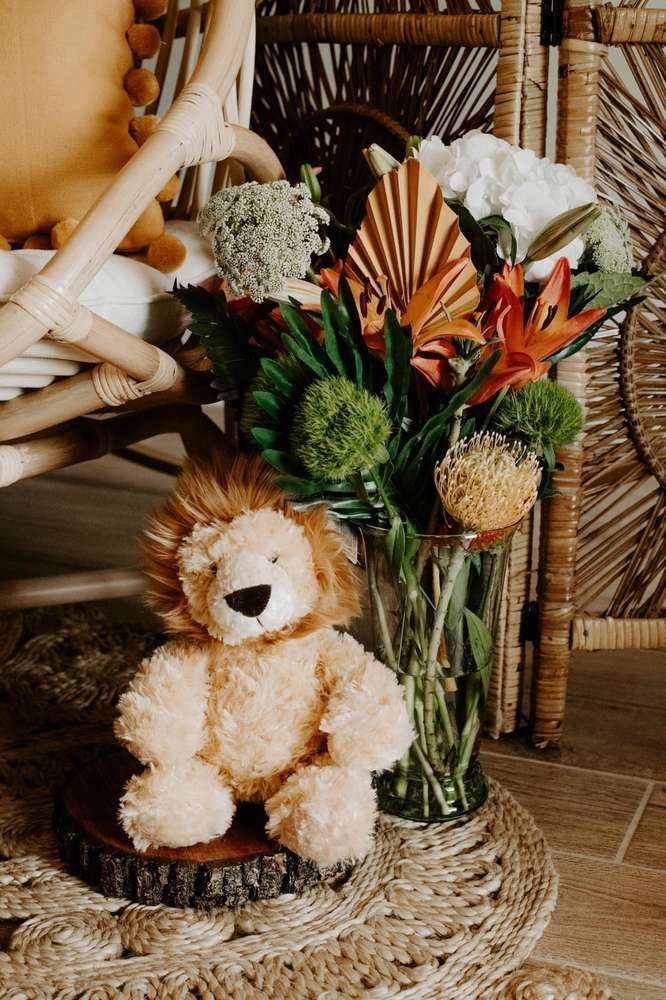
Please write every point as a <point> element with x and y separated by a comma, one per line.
<point>409,249</point>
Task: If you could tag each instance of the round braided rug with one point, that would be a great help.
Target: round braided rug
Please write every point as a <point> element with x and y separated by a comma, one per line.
<point>435,911</point>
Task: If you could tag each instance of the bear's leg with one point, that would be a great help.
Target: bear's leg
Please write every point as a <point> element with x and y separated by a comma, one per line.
<point>176,805</point>
<point>324,812</point>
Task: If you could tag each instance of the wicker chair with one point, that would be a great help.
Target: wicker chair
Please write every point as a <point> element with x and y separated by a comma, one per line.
<point>602,577</point>
<point>331,80</point>
<point>50,428</point>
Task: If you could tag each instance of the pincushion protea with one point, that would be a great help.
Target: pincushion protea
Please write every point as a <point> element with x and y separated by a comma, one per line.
<point>487,482</point>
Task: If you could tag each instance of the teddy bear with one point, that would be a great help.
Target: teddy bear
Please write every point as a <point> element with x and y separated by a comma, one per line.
<point>257,697</point>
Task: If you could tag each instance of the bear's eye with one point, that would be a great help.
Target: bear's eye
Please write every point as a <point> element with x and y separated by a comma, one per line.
<point>274,558</point>
<point>213,569</point>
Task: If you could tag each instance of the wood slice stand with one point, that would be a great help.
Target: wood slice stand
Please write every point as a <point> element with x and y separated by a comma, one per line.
<point>241,866</point>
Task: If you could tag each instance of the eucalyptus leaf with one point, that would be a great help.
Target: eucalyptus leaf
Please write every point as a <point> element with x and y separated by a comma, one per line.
<point>602,289</point>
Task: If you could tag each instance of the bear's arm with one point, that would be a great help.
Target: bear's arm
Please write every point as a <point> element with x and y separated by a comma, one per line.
<point>162,713</point>
<point>364,717</point>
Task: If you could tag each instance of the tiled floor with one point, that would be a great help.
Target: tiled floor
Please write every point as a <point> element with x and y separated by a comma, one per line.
<point>601,800</point>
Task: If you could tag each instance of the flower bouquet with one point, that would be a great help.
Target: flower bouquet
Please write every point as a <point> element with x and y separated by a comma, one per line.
<point>405,384</point>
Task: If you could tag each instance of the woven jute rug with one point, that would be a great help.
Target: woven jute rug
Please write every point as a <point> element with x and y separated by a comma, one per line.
<point>436,911</point>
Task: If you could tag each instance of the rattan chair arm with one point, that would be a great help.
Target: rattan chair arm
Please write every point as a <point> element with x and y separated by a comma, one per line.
<point>87,438</point>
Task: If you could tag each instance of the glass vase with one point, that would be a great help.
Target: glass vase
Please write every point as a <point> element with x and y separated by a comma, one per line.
<point>434,607</point>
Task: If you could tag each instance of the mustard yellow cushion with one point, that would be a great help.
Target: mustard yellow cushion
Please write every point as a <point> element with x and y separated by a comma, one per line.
<point>64,114</point>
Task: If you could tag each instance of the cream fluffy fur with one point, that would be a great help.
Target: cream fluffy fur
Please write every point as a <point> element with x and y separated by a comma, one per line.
<point>273,706</point>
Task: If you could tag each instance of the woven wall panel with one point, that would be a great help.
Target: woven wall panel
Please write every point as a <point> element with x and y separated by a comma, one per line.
<point>621,558</point>
<point>323,103</point>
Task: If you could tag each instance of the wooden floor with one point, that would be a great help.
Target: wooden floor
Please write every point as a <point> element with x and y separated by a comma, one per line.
<point>601,800</point>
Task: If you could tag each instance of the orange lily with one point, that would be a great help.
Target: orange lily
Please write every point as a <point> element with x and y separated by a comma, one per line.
<point>527,345</point>
<point>432,328</point>
<point>426,313</point>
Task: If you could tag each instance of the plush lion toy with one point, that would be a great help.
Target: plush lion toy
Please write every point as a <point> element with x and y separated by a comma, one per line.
<point>258,698</point>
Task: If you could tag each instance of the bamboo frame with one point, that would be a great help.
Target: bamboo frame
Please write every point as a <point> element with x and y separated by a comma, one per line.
<point>565,625</point>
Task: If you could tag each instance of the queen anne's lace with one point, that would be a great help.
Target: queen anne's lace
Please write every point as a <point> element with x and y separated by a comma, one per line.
<point>263,234</point>
<point>491,177</point>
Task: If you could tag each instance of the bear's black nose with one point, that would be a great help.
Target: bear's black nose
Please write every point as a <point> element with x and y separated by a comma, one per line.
<point>250,601</point>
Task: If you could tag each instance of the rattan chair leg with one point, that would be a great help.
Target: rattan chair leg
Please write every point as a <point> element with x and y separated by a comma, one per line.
<point>580,61</point>
<point>70,588</point>
<point>86,439</point>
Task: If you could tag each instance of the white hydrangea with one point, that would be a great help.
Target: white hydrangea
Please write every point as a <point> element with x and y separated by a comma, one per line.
<point>263,235</point>
<point>491,177</point>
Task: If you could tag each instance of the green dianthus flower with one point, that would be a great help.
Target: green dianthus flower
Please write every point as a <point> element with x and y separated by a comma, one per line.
<point>543,413</point>
<point>339,429</point>
<point>608,244</point>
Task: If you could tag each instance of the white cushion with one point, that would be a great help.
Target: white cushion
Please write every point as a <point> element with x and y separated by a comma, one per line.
<point>125,291</point>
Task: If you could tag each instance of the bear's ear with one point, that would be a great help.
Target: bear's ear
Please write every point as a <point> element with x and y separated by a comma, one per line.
<point>337,579</point>
<point>194,553</point>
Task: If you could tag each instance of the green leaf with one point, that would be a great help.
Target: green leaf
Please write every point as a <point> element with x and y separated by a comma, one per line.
<point>481,644</point>
<point>280,460</point>
<point>484,252</point>
<point>353,509</point>
<point>348,326</point>
<point>585,337</point>
<point>602,289</point>
<point>434,429</point>
<point>498,225</point>
<point>266,437</point>
<point>285,382</point>
<point>309,178</point>
<point>306,487</point>
<point>397,360</point>
<point>395,545</point>
<point>224,336</point>
<point>302,344</point>
<point>269,403</point>
<point>303,354</point>
<point>332,340</point>
<point>458,596</point>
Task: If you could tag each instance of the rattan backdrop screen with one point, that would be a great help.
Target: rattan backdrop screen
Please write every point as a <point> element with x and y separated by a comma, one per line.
<point>602,569</point>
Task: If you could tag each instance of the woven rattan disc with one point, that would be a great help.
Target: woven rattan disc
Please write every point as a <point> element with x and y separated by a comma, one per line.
<point>440,911</point>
